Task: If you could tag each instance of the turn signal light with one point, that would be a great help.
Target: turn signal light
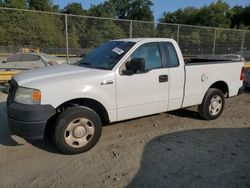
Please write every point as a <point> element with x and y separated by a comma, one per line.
<point>36,95</point>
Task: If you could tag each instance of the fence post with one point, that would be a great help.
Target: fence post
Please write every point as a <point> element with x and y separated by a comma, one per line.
<point>131,29</point>
<point>67,37</point>
<point>242,44</point>
<point>214,43</point>
<point>178,33</point>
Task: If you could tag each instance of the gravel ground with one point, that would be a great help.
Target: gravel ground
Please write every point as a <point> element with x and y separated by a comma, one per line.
<point>174,149</point>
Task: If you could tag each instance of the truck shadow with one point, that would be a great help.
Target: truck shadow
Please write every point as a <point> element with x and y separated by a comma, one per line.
<point>196,158</point>
<point>186,112</point>
<point>46,145</point>
<point>5,137</point>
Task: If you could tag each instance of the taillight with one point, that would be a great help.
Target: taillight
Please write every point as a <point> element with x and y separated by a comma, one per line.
<point>243,73</point>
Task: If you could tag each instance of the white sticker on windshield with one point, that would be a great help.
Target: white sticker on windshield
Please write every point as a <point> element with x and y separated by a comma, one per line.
<point>118,50</point>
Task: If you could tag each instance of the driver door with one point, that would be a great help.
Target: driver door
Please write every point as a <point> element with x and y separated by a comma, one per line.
<point>145,92</point>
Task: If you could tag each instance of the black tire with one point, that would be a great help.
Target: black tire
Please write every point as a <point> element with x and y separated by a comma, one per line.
<point>67,117</point>
<point>204,108</point>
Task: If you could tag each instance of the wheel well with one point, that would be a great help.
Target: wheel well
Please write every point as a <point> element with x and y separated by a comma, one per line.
<point>221,85</point>
<point>90,103</point>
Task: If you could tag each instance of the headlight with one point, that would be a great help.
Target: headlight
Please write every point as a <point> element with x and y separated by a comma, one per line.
<point>27,96</point>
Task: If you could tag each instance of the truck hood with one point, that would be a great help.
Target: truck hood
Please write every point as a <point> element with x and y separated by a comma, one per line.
<point>54,73</point>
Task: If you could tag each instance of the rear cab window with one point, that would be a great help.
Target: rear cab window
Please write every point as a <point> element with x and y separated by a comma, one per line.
<point>171,57</point>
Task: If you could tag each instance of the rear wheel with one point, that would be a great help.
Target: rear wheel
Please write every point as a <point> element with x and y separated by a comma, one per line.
<point>212,105</point>
<point>77,130</point>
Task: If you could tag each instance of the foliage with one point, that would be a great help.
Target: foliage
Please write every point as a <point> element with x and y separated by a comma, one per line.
<point>140,10</point>
<point>106,9</point>
<point>42,5</point>
<point>101,32</point>
<point>21,4</point>
<point>19,28</point>
<point>240,17</point>
<point>124,9</point>
<point>74,8</point>
<point>217,14</point>
<point>30,29</point>
<point>181,16</point>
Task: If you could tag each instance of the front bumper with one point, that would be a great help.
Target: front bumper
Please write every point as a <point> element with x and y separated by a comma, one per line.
<point>29,121</point>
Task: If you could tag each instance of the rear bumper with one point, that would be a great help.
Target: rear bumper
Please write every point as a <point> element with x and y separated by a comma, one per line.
<point>29,121</point>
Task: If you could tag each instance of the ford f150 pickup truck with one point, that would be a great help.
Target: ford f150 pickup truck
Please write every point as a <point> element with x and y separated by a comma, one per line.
<point>119,80</point>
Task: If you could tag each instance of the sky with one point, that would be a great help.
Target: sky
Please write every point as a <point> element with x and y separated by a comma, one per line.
<point>160,6</point>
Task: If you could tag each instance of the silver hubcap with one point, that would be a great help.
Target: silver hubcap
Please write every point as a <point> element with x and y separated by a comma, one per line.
<point>79,132</point>
<point>215,105</point>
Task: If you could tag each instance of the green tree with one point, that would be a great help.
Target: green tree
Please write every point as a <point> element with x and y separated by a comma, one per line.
<point>124,9</point>
<point>143,29</point>
<point>246,15</point>
<point>21,28</point>
<point>99,33</point>
<point>74,8</point>
<point>182,16</point>
<point>240,17</point>
<point>121,8</point>
<point>76,25</point>
<point>236,17</point>
<point>214,15</point>
<point>106,9</point>
<point>140,10</point>
<point>73,38</point>
<point>20,4</point>
<point>41,5</point>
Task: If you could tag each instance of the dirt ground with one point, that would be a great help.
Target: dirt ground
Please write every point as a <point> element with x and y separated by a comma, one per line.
<point>174,149</point>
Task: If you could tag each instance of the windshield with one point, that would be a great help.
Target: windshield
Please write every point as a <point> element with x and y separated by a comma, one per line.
<point>107,55</point>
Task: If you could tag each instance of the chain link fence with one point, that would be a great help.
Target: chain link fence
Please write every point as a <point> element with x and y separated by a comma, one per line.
<point>74,36</point>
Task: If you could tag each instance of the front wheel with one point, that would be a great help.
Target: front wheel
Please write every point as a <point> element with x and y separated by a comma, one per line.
<point>77,130</point>
<point>212,105</point>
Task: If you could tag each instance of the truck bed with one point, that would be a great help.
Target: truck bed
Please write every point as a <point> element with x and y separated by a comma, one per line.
<point>195,61</point>
<point>202,73</point>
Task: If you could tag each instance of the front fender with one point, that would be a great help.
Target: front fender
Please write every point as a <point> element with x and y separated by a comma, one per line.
<point>104,94</point>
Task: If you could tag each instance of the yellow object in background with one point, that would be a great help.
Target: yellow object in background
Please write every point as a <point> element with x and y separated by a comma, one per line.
<point>247,64</point>
<point>6,76</point>
<point>29,50</point>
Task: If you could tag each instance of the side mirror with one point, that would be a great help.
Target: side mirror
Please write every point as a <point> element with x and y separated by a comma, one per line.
<point>135,65</point>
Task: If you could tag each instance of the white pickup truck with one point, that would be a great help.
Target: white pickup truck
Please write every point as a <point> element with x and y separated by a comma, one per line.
<point>119,80</point>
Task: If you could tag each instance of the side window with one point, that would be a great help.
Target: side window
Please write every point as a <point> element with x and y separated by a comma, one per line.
<point>172,58</point>
<point>151,54</point>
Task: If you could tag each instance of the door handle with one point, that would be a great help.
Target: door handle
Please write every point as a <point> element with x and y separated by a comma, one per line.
<point>163,78</point>
<point>106,82</point>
